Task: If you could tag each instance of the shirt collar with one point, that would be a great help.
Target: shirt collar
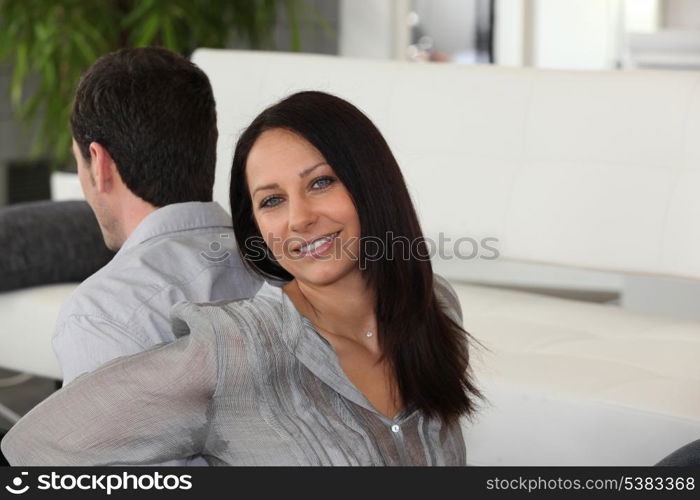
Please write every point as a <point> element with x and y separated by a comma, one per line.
<point>178,217</point>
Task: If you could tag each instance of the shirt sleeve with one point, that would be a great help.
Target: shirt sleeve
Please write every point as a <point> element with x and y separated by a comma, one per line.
<point>449,299</point>
<point>148,408</point>
<point>83,343</point>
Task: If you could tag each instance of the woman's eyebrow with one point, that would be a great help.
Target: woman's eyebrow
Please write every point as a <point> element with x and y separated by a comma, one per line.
<point>306,172</point>
<point>268,186</point>
<point>302,174</point>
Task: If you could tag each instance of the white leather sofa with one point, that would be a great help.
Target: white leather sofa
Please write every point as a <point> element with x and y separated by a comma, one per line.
<point>581,170</point>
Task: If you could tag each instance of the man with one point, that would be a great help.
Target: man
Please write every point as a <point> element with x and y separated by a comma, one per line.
<point>144,138</point>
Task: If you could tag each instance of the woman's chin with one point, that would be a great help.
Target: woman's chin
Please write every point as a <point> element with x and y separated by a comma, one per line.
<point>325,275</point>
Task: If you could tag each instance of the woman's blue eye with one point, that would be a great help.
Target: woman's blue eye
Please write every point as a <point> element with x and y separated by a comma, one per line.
<point>318,183</point>
<point>323,182</point>
<point>270,202</point>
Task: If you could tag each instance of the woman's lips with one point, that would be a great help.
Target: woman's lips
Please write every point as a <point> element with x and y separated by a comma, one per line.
<point>318,247</point>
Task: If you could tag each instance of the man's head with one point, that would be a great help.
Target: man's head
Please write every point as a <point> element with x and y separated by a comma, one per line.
<point>144,130</point>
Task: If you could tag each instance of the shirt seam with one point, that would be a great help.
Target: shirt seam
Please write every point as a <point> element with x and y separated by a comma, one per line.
<point>198,216</point>
<point>177,231</point>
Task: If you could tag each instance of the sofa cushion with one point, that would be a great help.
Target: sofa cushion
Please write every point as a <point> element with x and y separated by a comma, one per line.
<point>49,242</point>
<point>525,426</point>
<point>28,321</point>
<point>600,380</point>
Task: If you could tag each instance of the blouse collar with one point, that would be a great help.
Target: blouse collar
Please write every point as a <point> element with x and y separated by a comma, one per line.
<point>316,353</point>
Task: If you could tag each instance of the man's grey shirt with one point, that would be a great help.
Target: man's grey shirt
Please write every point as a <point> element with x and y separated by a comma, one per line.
<point>184,251</point>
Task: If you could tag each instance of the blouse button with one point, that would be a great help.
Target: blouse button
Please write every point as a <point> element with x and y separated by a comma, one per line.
<point>395,428</point>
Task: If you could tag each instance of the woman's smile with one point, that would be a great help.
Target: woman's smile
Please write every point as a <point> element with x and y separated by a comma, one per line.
<point>318,247</point>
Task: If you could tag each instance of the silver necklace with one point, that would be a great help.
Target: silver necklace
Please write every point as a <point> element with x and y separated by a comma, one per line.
<point>368,333</point>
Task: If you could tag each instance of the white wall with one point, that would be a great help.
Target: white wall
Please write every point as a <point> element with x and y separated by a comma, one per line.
<point>576,34</point>
<point>451,23</point>
<point>681,14</point>
<point>374,29</point>
<point>642,16</point>
<point>509,32</point>
<point>562,34</point>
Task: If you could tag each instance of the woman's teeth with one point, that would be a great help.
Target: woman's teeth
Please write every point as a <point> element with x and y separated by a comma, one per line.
<point>313,246</point>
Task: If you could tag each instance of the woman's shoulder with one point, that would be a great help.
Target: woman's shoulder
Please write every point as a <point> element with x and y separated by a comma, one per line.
<point>190,317</point>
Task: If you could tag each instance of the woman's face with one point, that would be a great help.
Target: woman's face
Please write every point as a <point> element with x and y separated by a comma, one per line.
<point>305,214</point>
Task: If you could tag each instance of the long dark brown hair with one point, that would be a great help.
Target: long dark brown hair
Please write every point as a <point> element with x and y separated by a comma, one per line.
<point>426,349</point>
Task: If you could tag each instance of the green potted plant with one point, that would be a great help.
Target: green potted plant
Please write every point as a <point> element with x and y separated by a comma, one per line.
<point>49,43</point>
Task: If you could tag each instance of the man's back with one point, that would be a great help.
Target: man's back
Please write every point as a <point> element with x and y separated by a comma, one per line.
<point>184,251</point>
<point>144,141</point>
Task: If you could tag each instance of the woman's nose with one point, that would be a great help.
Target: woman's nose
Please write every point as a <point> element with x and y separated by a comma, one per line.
<point>301,216</point>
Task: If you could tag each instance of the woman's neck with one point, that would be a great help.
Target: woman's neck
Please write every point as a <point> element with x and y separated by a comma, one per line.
<point>343,314</point>
<point>344,308</point>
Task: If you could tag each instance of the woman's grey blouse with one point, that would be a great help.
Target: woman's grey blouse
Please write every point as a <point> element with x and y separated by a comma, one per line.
<point>251,382</point>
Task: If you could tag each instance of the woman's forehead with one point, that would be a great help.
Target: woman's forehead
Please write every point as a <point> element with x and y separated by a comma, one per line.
<point>279,153</point>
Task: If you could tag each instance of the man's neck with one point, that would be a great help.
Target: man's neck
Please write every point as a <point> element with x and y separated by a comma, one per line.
<point>132,214</point>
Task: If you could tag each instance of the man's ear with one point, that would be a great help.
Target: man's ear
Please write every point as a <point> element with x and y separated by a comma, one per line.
<point>104,170</point>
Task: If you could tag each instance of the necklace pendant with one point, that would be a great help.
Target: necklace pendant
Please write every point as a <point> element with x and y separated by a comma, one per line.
<point>368,334</point>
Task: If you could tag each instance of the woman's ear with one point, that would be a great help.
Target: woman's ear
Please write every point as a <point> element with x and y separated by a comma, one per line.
<point>104,170</point>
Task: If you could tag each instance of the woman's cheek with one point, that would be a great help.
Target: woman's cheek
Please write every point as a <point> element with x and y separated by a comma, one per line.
<point>274,238</point>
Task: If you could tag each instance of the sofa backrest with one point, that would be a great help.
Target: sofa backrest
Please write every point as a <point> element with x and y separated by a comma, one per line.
<point>599,170</point>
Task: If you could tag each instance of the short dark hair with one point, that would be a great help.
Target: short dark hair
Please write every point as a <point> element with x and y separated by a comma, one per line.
<point>427,350</point>
<point>154,111</point>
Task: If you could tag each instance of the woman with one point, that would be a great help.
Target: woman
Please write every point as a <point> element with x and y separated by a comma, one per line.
<point>359,359</point>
